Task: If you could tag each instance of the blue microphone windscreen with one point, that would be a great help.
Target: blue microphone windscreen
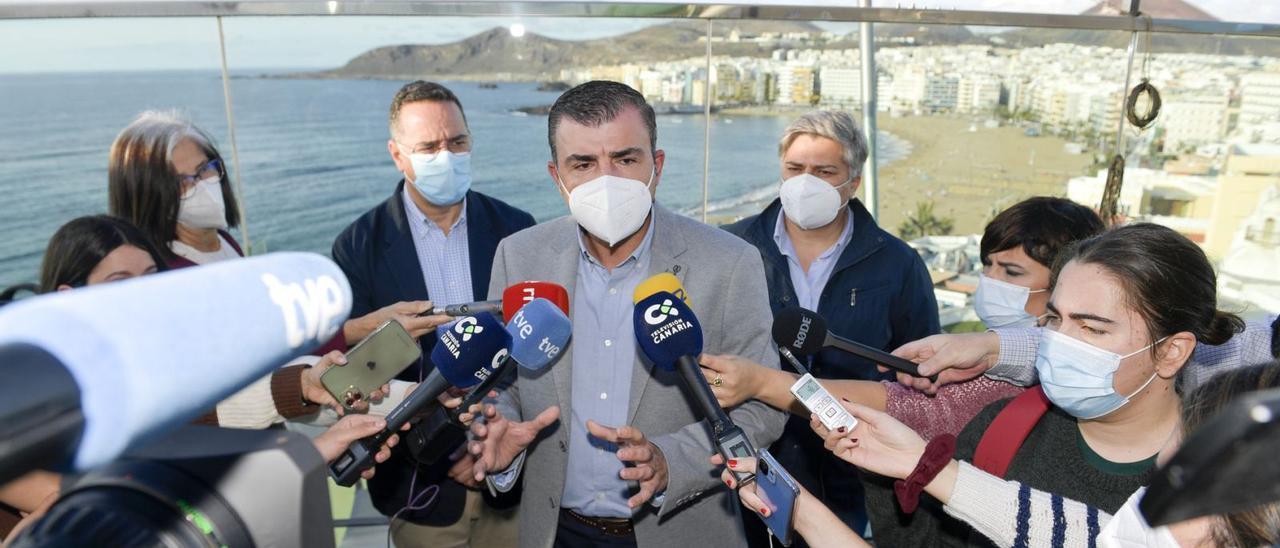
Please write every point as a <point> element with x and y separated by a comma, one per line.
<point>666,329</point>
<point>154,352</point>
<point>539,331</point>
<point>470,349</point>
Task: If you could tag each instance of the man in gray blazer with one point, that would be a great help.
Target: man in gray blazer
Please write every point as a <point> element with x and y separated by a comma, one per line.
<point>613,452</point>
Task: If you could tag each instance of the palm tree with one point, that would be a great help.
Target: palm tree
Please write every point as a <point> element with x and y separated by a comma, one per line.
<point>924,223</point>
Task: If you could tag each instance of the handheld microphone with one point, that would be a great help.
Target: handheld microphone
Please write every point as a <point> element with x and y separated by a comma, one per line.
<point>523,293</point>
<point>465,355</point>
<point>804,332</point>
<point>138,357</point>
<point>539,331</point>
<point>514,297</point>
<point>669,335</point>
<point>466,309</point>
<point>665,281</point>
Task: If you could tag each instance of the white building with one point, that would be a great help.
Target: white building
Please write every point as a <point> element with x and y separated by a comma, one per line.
<point>978,93</point>
<point>1250,272</point>
<point>1259,98</point>
<point>841,86</point>
<point>1191,120</point>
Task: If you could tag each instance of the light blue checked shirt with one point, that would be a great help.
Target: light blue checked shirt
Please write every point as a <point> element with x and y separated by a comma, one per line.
<point>809,285</point>
<point>604,353</point>
<point>1017,361</point>
<point>445,260</point>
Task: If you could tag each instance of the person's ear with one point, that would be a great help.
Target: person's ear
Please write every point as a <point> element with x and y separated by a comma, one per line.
<point>398,157</point>
<point>63,287</point>
<point>659,160</point>
<point>1173,354</point>
<point>557,181</point>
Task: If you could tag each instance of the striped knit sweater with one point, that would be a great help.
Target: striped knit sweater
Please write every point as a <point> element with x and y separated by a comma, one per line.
<point>1050,460</point>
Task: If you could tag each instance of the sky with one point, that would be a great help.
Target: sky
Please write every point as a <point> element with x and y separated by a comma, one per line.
<point>72,45</point>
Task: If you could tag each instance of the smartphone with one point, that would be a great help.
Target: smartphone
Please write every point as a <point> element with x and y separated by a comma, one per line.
<point>778,490</point>
<point>372,363</point>
<point>820,402</point>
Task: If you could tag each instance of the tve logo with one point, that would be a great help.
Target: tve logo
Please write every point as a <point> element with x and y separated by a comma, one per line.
<point>312,310</point>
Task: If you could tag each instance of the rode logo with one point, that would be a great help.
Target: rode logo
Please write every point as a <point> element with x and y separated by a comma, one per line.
<point>803,333</point>
<point>659,313</point>
<point>467,327</point>
<point>312,310</point>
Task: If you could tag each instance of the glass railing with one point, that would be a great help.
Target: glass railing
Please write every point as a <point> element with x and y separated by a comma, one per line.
<point>977,110</point>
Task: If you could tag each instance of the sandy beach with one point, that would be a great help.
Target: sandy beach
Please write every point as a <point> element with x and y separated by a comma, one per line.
<point>970,175</point>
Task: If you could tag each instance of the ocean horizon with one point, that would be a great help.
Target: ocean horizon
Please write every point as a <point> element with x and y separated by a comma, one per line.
<point>313,152</point>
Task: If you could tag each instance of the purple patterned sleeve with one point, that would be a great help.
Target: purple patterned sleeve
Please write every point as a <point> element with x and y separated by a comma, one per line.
<point>947,412</point>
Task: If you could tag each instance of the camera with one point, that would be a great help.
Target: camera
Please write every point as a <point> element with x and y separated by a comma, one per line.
<point>198,486</point>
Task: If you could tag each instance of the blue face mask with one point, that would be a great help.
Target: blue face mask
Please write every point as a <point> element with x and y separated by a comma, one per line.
<point>1079,378</point>
<point>442,178</point>
<point>1002,304</point>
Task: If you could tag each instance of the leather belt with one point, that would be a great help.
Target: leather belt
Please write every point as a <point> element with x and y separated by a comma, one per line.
<point>617,527</point>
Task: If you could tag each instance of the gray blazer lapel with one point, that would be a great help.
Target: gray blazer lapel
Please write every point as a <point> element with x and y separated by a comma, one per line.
<point>667,247</point>
<point>565,253</point>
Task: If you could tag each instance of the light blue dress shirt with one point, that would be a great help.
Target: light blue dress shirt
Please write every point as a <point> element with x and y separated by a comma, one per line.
<point>809,285</point>
<point>604,353</point>
<point>445,260</point>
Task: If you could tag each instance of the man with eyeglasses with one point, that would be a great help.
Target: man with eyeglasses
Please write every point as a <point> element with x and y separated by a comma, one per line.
<point>432,241</point>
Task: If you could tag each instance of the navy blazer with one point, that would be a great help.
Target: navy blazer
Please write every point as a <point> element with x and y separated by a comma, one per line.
<point>377,254</point>
<point>879,294</point>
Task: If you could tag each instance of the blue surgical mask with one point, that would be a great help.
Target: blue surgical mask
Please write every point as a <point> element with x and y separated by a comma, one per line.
<point>442,178</point>
<point>1002,304</point>
<point>1079,378</point>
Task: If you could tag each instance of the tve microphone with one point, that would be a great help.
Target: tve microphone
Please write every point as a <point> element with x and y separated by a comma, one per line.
<point>468,309</point>
<point>151,353</point>
<point>524,293</point>
<point>669,335</point>
<point>539,331</point>
<point>465,355</point>
<point>804,332</point>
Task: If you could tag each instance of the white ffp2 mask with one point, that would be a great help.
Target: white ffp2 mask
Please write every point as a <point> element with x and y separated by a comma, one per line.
<point>809,201</point>
<point>203,207</point>
<point>609,207</point>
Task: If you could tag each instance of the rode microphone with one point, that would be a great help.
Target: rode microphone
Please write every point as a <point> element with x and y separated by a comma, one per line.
<point>669,335</point>
<point>92,371</point>
<point>539,331</point>
<point>465,355</point>
<point>804,333</point>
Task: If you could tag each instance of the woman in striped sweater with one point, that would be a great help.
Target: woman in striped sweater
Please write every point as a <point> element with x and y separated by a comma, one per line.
<point>1011,513</point>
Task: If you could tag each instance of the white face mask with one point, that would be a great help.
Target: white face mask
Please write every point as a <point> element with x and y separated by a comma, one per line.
<point>811,202</point>
<point>1002,304</point>
<point>1128,529</point>
<point>202,207</point>
<point>1079,377</point>
<point>610,208</point>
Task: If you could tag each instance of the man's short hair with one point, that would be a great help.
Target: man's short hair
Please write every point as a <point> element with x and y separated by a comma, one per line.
<point>1042,226</point>
<point>835,125</point>
<point>416,91</point>
<point>598,102</point>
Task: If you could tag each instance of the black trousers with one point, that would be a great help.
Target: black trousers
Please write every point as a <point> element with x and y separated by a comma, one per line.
<point>571,533</point>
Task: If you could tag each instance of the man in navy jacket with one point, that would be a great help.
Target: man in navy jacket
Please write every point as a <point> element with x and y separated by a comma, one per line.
<point>823,251</point>
<point>431,243</point>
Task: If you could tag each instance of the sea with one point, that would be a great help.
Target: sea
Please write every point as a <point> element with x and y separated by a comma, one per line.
<point>313,153</point>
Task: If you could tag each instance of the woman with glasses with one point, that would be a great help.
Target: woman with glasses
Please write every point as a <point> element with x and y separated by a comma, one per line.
<point>166,177</point>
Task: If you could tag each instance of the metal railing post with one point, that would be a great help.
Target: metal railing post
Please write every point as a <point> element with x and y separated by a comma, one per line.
<point>870,174</point>
<point>238,178</point>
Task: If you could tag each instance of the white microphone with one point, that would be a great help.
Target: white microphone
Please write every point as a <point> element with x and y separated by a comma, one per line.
<point>150,353</point>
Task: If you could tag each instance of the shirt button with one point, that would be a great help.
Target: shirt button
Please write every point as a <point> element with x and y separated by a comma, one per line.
<point>604,396</point>
<point>613,291</point>
<point>600,496</point>
<point>608,342</point>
